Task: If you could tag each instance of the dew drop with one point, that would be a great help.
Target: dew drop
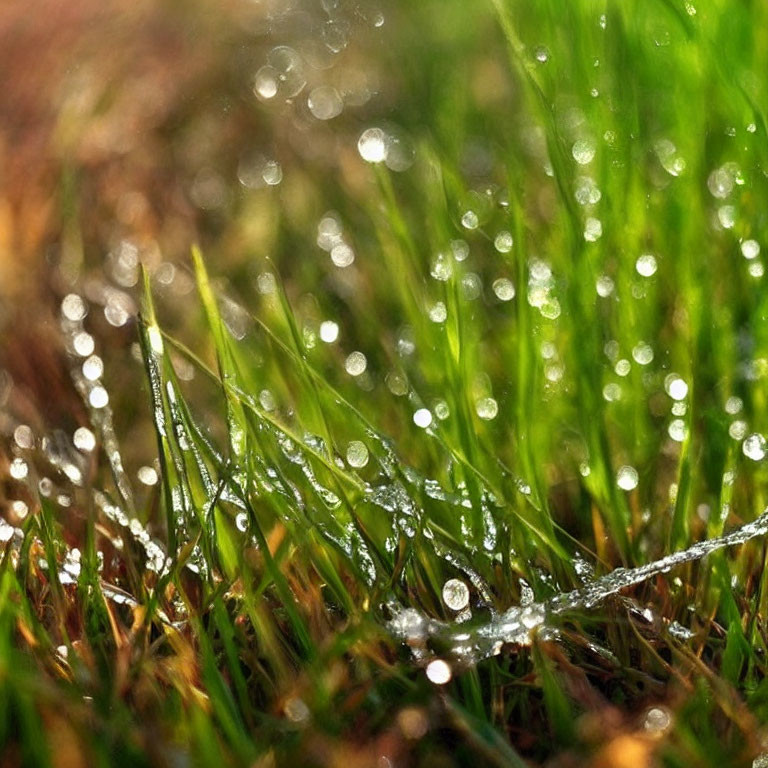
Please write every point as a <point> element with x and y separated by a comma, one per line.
<point>677,430</point>
<point>372,145</point>
<point>533,615</point>
<point>329,331</point>
<point>438,312</point>
<point>593,229</point>
<point>24,437</point>
<point>422,418</point>
<point>19,469</point>
<point>267,400</point>
<point>738,430</point>
<point>487,408</point>
<point>357,454</point>
<point>646,265</point>
<point>324,102</point>
<point>342,255</point>
<point>657,720</point>
<point>583,151</point>
<point>456,594</point>
<point>442,411</point>
<point>98,397</point>
<point>265,83</point>
<point>356,363</point>
<point>750,249</point>
<point>503,242</point>
<point>73,308</point>
<point>155,339</point>
<point>504,289</point>
<point>627,478</point>
<point>604,286</point>
<point>675,387</point>
<point>83,344</point>
<point>754,447</point>
<point>93,367</point>
<point>470,220</point>
<point>438,672</point>
<point>612,392</point>
<point>441,269</point>
<point>642,353</point>
<point>147,475</point>
<point>84,439</point>
<point>623,367</point>
<point>459,249</point>
<point>726,214</point>
<point>19,509</point>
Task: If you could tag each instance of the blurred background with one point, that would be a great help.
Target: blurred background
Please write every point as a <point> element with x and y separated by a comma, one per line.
<point>586,196</point>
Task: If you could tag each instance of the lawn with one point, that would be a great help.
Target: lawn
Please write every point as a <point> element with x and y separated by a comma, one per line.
<point>386,386</point>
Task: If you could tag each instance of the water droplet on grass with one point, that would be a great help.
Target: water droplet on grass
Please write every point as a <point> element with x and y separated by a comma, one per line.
<point>372,145</point>
<point>438,672</point>
<point>356,363</point>
<point>533,615</point>
<point>657,720</point>
<point>586,191</point>
<point>438,312</point>
<point>329,331</point>
<point>675,387</point>
<point>73,308</point>
<point>84,439</point>
<point>604,286</point>
<point>342,255</point>
<point>677,430</point>
<point>738,430</point>
<point>442,269</point>
<point>357,454</point>
<point>720,182</point>
<point>504,289</point>
<point>265,83</point>
<point>422,418</point>
<point>470,220</point>
<point>20,509</point>
<point>19,469</point>
<point>147,475</point>
<point>324,102</point>
<point>623,367</point>
<point>459,249</point>
<point>471,286</point>
<point>593,229</point>
<point>503,242</point>
<point>642,353</point>
<point>627,478</point>
<point>754,447</point>
<point>726,215</point>
<point>455,594</point>
<point>98,397</point>
<point>23,436</point>
<point>487,408</point>
<point>83,344</point>
<point>646,265</point>
<point>583,151</point>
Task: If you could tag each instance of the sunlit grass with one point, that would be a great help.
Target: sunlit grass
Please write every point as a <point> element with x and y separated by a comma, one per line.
<point>545,360</point>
